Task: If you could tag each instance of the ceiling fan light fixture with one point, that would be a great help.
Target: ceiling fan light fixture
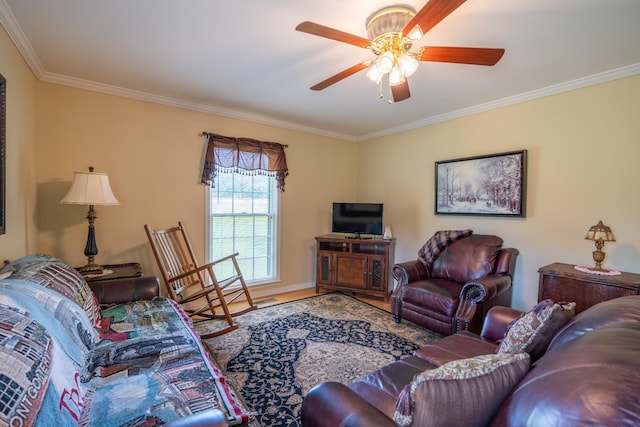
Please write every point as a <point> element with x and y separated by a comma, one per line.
<point>385,62</point>
<point>407,64</point>
<point>395,76</point>
<point>374,74</point>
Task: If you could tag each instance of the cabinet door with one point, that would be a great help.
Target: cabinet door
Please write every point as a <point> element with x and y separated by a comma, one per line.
<point>324,275</point>
<point>377,273</point>
<point>351,271</point>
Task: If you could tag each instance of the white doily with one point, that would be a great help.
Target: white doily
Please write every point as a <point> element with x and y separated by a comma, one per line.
<point>603,272</point>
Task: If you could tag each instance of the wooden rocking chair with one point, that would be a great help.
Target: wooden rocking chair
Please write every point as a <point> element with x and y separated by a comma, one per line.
<point>196,288</point>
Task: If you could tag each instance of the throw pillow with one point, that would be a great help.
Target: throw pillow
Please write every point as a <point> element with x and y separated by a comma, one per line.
<point>52,273</point>
<point>466,392</point>
<point>533,332</point>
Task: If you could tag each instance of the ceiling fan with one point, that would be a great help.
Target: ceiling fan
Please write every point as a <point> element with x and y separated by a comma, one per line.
<point>391,33</point>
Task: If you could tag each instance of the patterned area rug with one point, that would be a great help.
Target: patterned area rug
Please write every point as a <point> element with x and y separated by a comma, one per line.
<point>280,352</point>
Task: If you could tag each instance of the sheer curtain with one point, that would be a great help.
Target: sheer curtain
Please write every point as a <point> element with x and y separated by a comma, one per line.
<point>245,156</point>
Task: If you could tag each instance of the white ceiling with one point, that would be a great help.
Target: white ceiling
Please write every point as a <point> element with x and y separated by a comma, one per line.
<point>244,59</point>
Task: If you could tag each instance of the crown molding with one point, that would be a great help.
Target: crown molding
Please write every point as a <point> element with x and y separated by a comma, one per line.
<point>186,105</point>
<point>13,29</point>
<point>592,80</point>
<point>607,76</point>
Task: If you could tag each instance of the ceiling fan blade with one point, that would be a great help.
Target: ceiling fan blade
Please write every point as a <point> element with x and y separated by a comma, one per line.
<point>341,75</point>
<point>330,33</point>
<point>400,91</point>
<point>462,55</point>
<point>430,14</point>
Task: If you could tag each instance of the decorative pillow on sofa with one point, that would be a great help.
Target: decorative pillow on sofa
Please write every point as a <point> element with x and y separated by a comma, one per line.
<point>52,273</point>
<point>466,392</point>
<point>533,332</point>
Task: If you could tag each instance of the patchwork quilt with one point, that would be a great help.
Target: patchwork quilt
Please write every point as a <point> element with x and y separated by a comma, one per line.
<point>66,363</point>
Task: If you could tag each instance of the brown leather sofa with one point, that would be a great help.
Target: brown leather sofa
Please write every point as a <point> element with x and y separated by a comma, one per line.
<point>589,375</point>
<point>471,275</point>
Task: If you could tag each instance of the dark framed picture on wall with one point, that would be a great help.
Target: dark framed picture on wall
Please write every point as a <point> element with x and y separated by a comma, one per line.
<point>3,139</point>
<point>491,185</point>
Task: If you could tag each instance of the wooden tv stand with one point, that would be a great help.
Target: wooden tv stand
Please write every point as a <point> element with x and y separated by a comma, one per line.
<point>354,265</point>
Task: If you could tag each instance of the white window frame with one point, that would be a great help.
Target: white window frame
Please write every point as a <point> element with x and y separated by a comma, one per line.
<point>275,268</point>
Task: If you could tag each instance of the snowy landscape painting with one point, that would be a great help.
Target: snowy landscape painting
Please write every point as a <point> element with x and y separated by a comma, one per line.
<point>492,185</point>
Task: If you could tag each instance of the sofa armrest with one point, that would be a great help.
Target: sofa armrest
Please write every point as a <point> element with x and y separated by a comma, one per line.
<point>475,293</point>
<point>410,271</point>
<point>497,322</point>
<point>485,288</point>
<point>333,404</point>
<point>208,418</point>
<point>118,291</point>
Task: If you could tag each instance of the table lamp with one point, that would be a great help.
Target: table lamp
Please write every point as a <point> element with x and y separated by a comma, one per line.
<point>90,188</point>
<point>599,233</point>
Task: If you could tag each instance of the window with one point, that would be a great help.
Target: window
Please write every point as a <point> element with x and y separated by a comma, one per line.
<point>244,218</point>
<point>244,176</point>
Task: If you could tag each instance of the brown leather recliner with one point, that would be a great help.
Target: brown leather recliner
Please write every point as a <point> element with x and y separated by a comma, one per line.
<point>469,276</point>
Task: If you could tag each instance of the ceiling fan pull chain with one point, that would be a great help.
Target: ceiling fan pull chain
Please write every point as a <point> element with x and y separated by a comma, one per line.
<point>380,95</point>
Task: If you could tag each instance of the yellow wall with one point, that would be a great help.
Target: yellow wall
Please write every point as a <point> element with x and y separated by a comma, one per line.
<point>583,151</point>
<point>21,236</point>
<point>152,154</point>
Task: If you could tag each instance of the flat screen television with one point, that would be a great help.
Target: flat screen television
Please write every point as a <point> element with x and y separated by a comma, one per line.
<point>357,218</point>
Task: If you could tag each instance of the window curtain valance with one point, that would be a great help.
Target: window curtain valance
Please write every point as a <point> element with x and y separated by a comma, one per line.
<point>243,155</point>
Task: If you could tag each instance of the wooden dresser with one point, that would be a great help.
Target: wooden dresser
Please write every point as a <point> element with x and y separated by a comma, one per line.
<point>562,282</point>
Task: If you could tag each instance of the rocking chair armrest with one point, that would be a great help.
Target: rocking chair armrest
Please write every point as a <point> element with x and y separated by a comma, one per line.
<point>212,263</point>
<point>201,268</point>
<point>118,291</point>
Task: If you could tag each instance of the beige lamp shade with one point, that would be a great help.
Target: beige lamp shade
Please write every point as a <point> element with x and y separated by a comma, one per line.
<point>90,188</point>
<point>600,232</point>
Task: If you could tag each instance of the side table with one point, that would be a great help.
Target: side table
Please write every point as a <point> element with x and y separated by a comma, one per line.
<point>124,283</point>
<point>118,271</point>
<point>562,282</point>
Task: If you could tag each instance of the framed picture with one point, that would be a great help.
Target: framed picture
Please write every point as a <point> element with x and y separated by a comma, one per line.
<point>492,185</point>
<point>3,138</point>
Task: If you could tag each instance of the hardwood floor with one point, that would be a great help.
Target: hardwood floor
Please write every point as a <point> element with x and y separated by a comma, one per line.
<point>305,293</point>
